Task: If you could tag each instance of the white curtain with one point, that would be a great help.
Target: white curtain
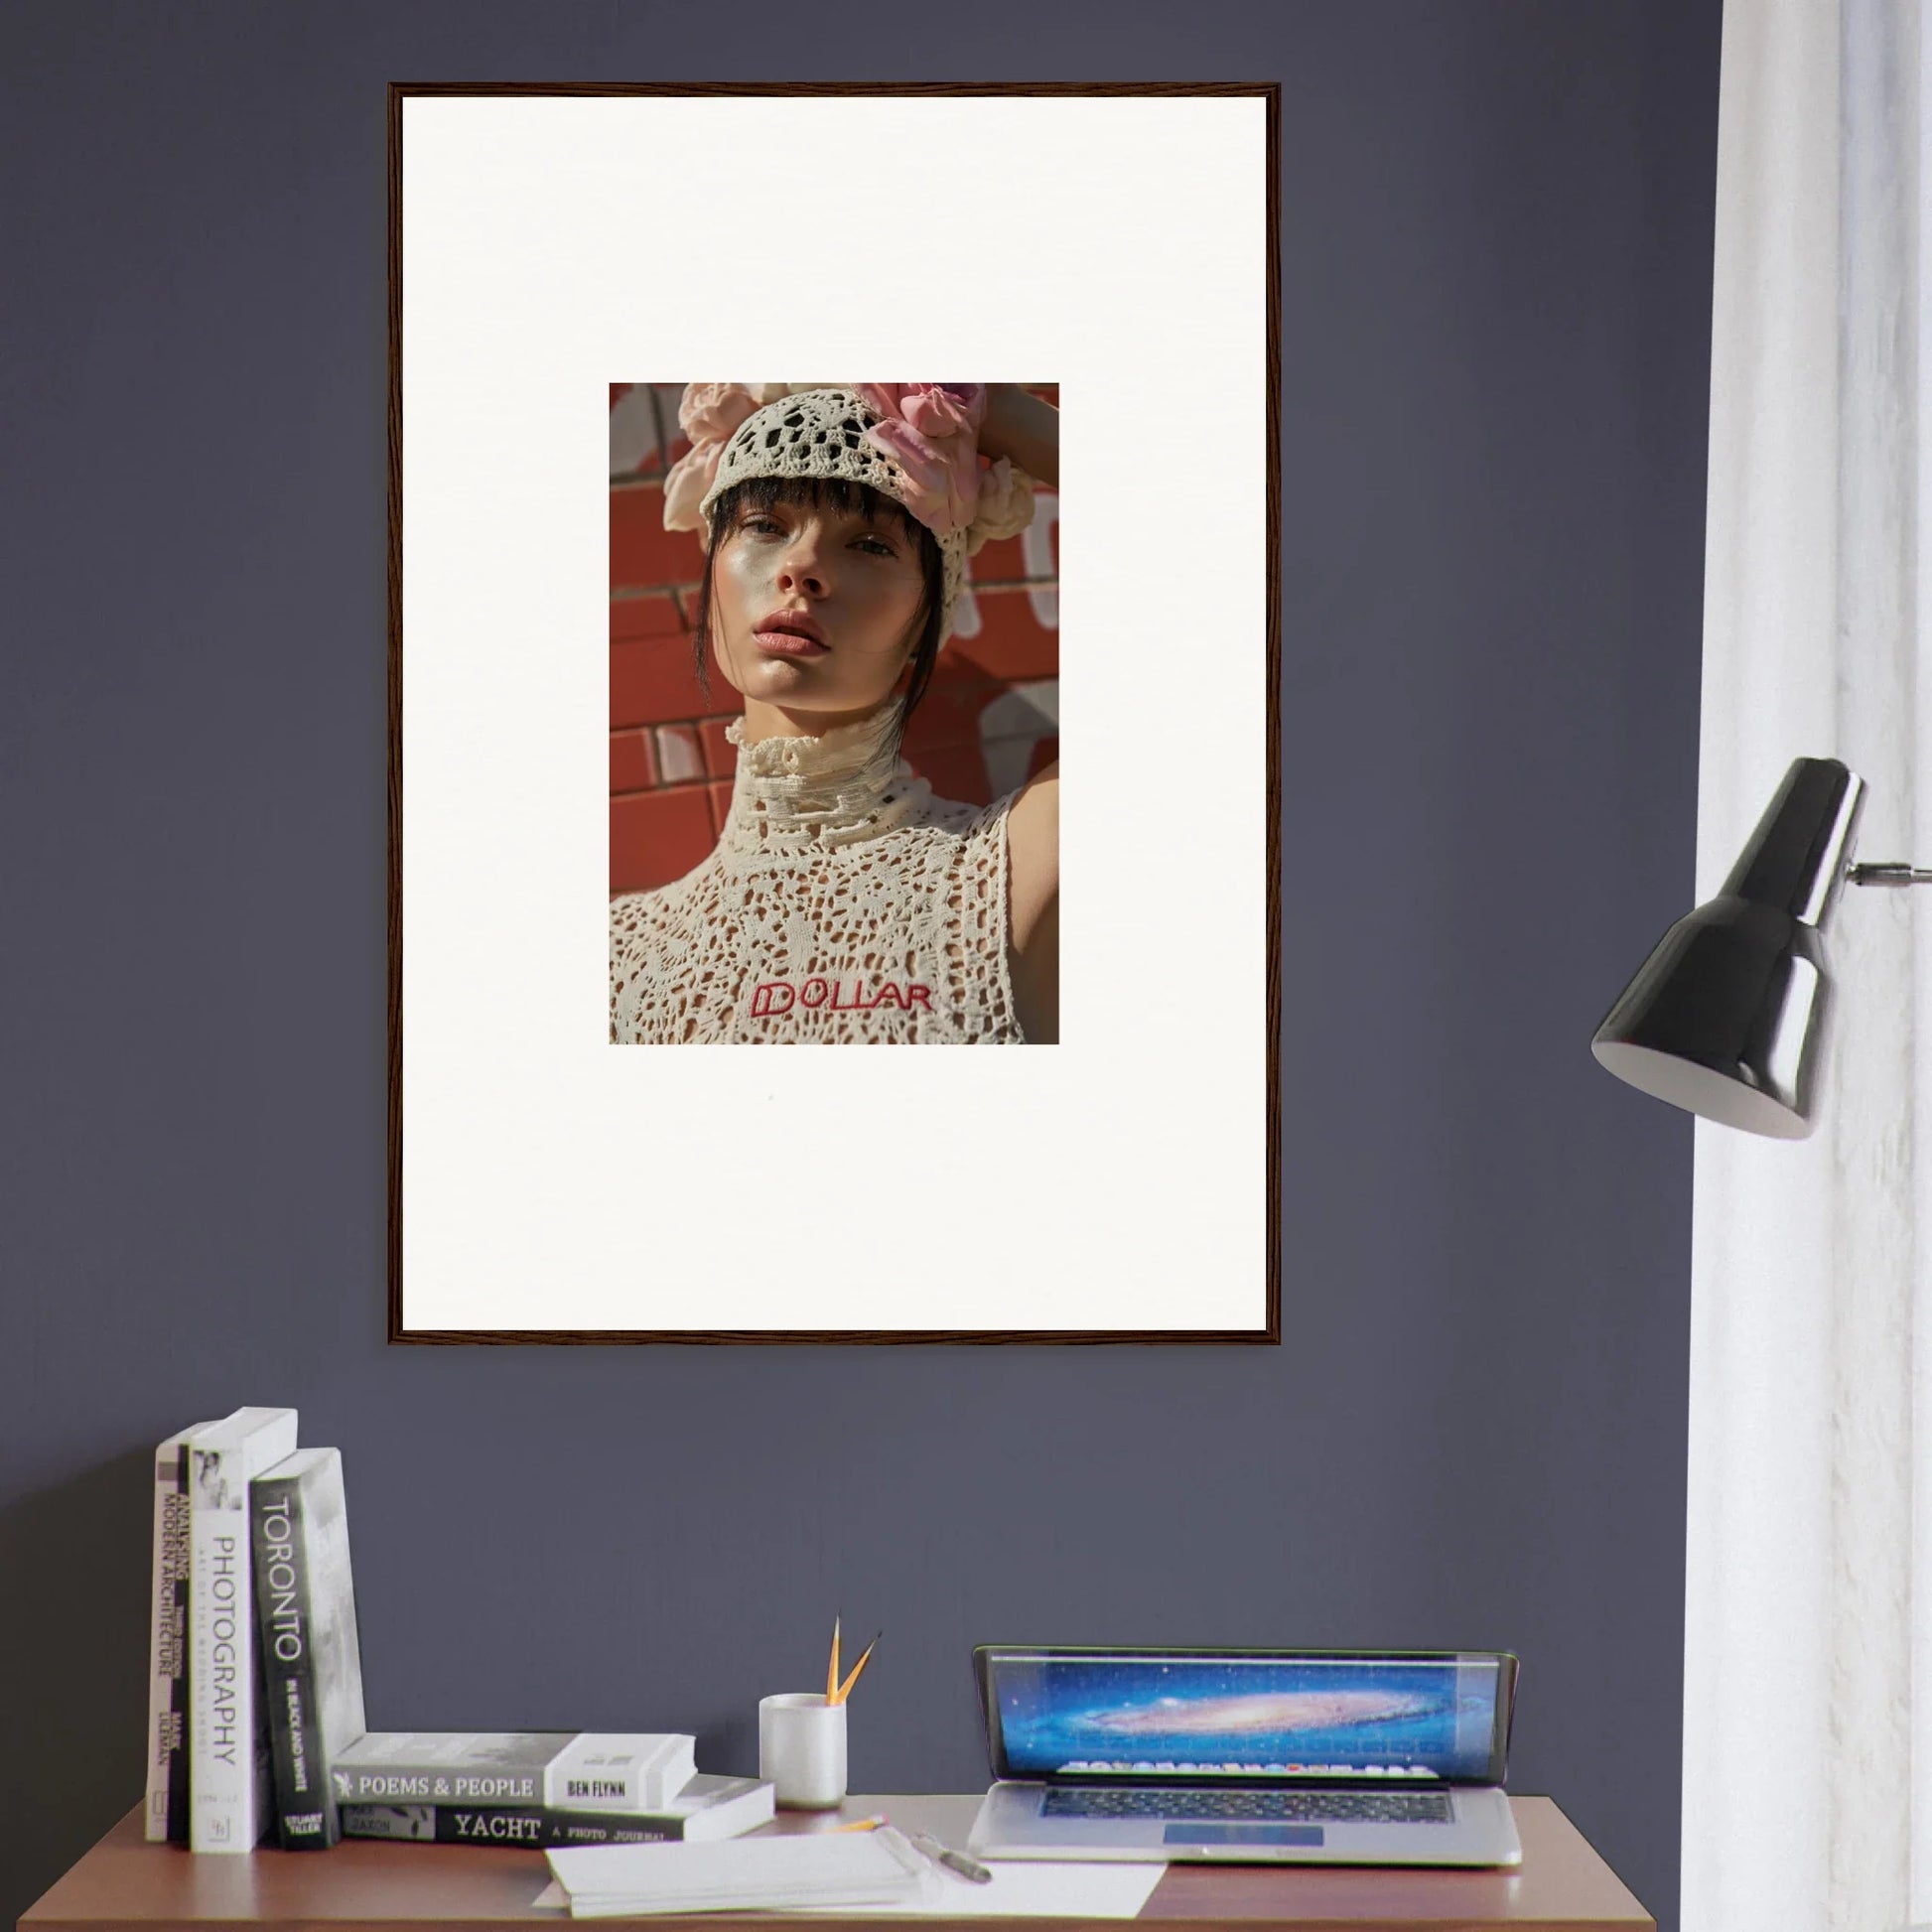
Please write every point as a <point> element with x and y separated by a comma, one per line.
<point>1808,1652</point>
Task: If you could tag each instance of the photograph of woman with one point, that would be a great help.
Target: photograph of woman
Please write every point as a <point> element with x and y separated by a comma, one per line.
<point>844,903</point>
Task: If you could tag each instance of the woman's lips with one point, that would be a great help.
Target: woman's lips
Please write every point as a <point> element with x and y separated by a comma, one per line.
<point>788,643</point>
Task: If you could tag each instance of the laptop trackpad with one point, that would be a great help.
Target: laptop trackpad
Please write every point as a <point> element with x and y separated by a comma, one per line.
<point>1243,1834</point>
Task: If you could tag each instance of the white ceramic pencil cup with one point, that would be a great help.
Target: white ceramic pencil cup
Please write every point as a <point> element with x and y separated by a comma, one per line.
<point>801,1749</point>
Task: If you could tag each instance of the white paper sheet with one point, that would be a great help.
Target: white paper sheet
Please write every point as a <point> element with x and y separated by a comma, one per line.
<point>1030,1889</point>
<point>1021,1888</point>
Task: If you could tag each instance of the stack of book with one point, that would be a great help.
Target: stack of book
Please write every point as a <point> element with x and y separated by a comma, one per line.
<point>539,1788</point>
<point>256,1724</point>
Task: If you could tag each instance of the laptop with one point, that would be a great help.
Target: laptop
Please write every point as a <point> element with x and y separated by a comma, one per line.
<point>1247,1756</point>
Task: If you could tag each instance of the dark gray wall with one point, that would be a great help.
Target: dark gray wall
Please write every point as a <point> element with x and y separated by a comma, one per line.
<point>1496,298</point>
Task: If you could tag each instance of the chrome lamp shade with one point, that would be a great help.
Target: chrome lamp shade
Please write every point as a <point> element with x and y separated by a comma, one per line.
<point>1727,1015</point>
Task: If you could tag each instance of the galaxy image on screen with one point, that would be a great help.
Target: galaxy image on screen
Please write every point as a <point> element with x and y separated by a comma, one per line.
<point>1247,1718</point>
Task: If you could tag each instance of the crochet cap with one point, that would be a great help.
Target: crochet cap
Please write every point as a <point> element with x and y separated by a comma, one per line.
<point>821,432</point>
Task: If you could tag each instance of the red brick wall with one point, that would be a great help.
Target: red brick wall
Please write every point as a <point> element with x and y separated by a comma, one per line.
<point>978,730</point>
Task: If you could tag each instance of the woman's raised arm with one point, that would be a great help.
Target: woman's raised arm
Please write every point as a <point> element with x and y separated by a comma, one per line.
<point>1034,904</point>
<point>1027,432</point>
<point>1023,429</point>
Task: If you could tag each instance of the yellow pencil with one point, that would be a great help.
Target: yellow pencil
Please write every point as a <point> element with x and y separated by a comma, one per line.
<point>845,1689</point>
<point>832,1669</point>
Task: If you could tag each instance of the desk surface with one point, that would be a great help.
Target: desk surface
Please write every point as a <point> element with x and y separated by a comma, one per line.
<point>126,1886</point>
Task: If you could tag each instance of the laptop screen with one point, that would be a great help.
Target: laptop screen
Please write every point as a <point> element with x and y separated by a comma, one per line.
<point>1257,1716</point>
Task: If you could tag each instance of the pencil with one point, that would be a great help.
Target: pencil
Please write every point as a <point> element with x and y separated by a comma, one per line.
<point>845,1689</point>
<point>832,1669</point>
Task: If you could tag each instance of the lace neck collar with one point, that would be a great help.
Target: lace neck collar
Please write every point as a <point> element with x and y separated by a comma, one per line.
<point>805,794</point>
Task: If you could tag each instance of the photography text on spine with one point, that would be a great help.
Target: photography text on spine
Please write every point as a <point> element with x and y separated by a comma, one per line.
<point>222,1624</point>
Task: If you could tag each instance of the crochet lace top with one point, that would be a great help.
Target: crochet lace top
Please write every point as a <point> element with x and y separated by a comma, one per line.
<point>842,903</point>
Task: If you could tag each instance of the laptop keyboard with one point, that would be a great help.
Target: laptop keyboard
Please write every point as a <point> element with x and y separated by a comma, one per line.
<point>1303,1807</point>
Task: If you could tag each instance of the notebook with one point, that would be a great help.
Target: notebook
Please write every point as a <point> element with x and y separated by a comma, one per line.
<point>1253,1756</point>
<point>832,1869</point>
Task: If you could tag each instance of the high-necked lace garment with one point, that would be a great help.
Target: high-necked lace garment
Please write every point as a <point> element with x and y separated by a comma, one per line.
<point>843,904</point>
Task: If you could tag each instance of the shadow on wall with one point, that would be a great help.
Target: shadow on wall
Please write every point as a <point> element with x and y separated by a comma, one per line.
<point>74,1634</point>
<point>988,722</point>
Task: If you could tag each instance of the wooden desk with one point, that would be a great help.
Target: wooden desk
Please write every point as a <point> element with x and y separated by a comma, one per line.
<point>127,1885</point>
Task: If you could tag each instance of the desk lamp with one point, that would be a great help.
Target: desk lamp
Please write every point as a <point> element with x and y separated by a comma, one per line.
<point>1726,1017</point>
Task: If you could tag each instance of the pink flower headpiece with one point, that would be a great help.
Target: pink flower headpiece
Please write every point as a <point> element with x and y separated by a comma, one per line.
<point>708,413</point>
<point>930,430</point>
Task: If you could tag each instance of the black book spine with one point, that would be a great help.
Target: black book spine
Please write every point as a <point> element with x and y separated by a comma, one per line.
<point>539,1825</point>
<point>306,1817</point>
<point>180,1569</point>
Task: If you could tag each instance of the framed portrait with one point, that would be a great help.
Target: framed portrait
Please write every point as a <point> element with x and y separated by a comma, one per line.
<point>806,791</point>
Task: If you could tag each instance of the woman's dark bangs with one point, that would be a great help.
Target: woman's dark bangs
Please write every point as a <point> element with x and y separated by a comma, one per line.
<point>842,492</point>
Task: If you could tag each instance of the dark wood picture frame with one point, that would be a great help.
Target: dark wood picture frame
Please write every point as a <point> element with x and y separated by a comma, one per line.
<point>1269,1043</point>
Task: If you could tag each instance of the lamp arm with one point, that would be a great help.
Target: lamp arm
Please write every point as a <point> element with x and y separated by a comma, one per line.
<point>1892,872</point>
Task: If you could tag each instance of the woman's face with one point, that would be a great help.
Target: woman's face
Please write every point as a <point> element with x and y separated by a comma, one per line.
<point>849,585</point>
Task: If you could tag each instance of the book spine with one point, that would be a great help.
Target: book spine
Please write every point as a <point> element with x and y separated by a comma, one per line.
<point>306,1814</point>
<point>221,1657</point>
<point>620,1790</point>
<point>594,1773</point>
<point>541,1825</point>
<point>180,1787</point>
<point>165,1812</point>
<point>406,1783</point>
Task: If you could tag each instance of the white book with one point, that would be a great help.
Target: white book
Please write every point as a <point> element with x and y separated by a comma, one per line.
<point>227,1767</point>
<point>167,1789</point>
<point>568,1771</point>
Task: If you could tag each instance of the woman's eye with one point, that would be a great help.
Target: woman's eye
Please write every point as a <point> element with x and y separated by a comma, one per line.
<point>876,546</point>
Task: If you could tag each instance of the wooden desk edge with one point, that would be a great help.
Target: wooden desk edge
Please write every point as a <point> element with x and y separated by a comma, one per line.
<point>1615,1910</point>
